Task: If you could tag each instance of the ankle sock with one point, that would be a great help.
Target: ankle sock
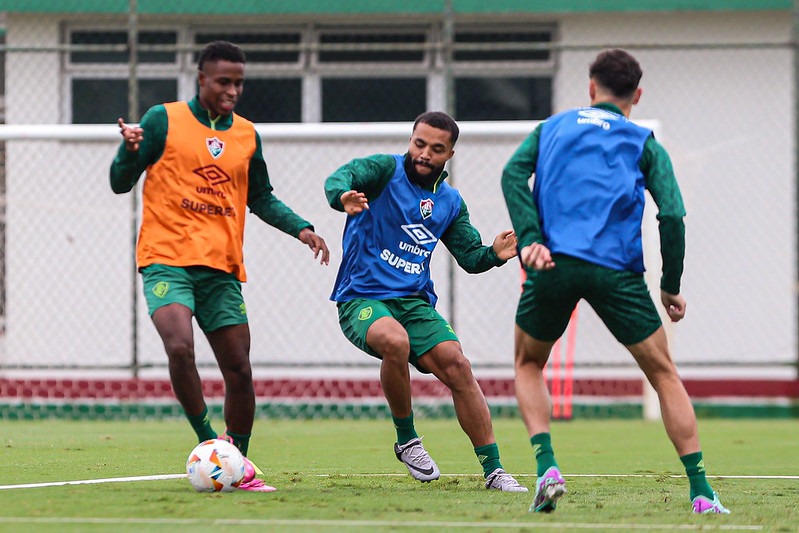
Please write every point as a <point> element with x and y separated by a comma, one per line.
<point>488,456</point>
<point>242,442</point>
<point>202,425</point>
<point>695,469</point>
<point>405,429</point>
<point>544,455</point>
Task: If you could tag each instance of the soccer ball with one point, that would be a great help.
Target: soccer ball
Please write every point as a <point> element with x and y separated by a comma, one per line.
<point>215,466</point>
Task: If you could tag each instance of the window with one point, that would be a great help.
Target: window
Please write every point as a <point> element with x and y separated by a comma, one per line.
<point>271,100</point>
<point>503,75</point>
<point>503,98</point>
<point>308,72</point>
<point>281,47</point>
<point>120,38</point>
<point>100,101</point>
<point>361,47</point>
<point>501,45</point>
<point>372,99</point>
<point>97,69</point>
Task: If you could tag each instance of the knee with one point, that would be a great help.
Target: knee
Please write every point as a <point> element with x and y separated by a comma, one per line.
<point>239,379</point>
<point>392,346</point>
<point>525,359</point>
<point>180,352</point>
<point>457,372</point>
<point>661,377</point>
<point>241,372</point>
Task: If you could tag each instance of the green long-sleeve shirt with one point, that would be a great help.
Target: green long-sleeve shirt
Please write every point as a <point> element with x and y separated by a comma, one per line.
<point>655,164</point>
<point>128,166</point>
<point>372,174</point>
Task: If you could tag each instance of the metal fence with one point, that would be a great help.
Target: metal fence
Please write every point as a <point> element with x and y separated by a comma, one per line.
<point>724,110</point>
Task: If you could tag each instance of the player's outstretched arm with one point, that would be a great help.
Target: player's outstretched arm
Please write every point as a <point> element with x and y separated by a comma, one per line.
<point>505,245</point>
<point>315,243</point>
<point>537,256</point>
<point>675,305</point>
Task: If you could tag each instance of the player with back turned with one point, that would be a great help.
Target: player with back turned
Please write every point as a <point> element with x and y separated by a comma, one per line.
<point>579,236</point>
<point>204,169</point>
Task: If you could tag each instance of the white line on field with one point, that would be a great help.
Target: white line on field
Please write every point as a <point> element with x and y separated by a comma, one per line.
<point>405,524</point>
<point>93,481</point>
<point>566,476</point>
<point>178,476</point>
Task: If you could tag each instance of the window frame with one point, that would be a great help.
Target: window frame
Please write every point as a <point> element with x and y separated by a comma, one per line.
<point>115,71</point>
<point>308,68</point>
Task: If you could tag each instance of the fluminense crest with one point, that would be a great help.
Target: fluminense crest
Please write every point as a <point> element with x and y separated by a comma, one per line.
<point>215,147</point>
<point>426,207</point>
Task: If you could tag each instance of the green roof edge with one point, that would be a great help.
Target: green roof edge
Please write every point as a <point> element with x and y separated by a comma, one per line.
<point>363,7</point>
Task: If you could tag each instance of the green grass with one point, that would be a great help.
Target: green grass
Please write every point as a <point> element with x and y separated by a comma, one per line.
<point>336,475</point>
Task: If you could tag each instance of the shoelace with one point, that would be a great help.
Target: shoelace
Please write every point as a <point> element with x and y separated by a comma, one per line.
<point>505,478</point>
<point>416,452</point>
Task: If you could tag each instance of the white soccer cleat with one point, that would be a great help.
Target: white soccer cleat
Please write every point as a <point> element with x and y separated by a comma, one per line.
<point>502,481</point>
<point>413,455</point>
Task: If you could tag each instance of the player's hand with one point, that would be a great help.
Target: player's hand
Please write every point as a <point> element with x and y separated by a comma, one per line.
<point>317,244</point>
<point>354,202</point>
<point>537,257</point>
<point>132,135</point>
<point>505,245</point>
<point>675,305</point>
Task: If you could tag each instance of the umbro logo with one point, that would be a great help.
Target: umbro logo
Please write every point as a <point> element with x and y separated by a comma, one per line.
<point>601,114</point>
<point>419,233</point>
<point>212,174</point>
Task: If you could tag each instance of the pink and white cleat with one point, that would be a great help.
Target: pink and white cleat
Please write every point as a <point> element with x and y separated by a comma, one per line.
<point>250,482</point>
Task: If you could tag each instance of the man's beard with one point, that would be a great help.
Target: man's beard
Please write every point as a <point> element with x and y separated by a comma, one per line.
<point>421,179</point>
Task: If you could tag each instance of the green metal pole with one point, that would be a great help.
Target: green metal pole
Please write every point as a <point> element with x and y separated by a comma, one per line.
<point>795,44</point>
<point>448,37</point>
<point>133,116</point>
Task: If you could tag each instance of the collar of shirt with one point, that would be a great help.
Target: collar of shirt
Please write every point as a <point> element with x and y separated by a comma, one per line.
<point>222,122</point>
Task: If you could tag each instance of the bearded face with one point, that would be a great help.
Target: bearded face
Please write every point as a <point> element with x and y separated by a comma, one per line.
<point>429,150</point>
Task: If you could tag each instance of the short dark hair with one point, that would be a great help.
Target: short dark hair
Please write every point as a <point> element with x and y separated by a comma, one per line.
<point>617,71</point>
<point>221,50</point>
<point>441,121</point>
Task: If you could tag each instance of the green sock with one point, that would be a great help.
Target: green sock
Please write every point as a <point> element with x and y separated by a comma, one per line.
<point>488,456</point>
<point>405,429</point>
<point>242,442</point>
<point>695,468</point>
<point>544,456</point>
<point>202,425</point>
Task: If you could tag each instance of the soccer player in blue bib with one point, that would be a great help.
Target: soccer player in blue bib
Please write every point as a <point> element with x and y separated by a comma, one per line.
<point>579,236</point>
<point>398,208</point>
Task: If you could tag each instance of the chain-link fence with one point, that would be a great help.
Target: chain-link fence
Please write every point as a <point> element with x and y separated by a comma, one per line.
<point>720,95</point>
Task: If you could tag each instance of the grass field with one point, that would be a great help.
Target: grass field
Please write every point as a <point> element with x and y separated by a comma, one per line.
<point>335,475</point>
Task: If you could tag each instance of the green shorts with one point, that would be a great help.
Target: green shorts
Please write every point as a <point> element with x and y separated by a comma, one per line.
<point>620,298</point>
<point>212,295</point>
<point>425,327</point>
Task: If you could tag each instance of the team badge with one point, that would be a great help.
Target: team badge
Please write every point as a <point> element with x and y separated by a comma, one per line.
<point>160,289</point>
<point>426,207</point>
<point>215,146</point>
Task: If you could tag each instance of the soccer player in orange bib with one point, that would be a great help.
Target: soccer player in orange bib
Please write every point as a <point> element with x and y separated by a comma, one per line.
<point>204,169</point>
